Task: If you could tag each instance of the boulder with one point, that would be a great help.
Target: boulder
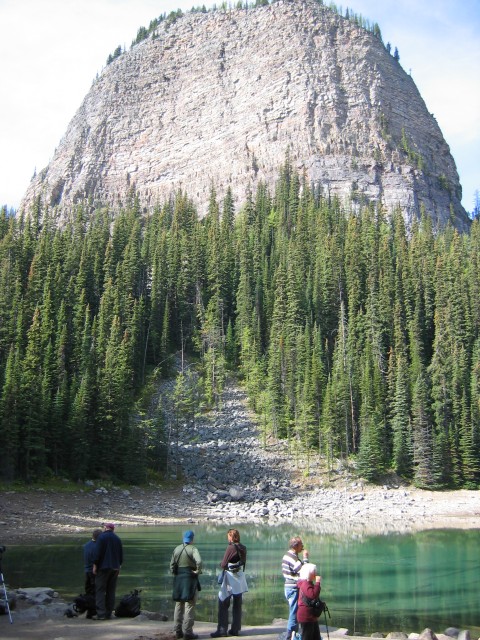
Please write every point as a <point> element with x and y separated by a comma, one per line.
<point>37,595</point>
<point>236,493</point>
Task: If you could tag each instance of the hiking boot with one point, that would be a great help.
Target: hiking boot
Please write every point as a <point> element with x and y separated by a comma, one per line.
<point>219,633</point>
<point>178,635</point>
<point>190,636</point>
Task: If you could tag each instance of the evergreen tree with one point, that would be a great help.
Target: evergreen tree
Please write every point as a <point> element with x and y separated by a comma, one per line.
<point>31,409</point>
<point>10,461</point>
<point>371,456</point>
<point>350,334</point>
<point>401,422</point>
<point>422,426</point>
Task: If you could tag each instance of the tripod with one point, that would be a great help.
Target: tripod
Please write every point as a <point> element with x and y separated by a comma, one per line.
<point>2,549</point>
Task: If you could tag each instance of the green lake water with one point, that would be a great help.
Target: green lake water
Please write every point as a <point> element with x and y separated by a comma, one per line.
<point>376,583</point>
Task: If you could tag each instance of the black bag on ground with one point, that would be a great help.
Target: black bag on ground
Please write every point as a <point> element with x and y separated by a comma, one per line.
<point>316,606</point>
<point>129,605</point>
<point>84,602</point>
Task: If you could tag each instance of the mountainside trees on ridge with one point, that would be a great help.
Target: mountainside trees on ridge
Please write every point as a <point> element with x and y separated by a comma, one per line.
<point>350,335</point>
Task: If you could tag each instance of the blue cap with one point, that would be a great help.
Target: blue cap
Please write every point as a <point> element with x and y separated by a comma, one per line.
<point>188,536</point>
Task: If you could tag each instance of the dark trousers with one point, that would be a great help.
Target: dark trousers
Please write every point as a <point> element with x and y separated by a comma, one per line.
<point>90,583</point>
<point>105,585</point>
<point>310,631</point>
<point>223,606</point>
<point>90,591</point>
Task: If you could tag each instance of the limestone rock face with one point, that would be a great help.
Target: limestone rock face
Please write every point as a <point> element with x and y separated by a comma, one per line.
<point>218,98</point>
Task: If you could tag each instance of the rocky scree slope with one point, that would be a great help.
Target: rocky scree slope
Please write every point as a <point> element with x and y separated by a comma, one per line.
<point>231,473</point>
<point>218,98</point>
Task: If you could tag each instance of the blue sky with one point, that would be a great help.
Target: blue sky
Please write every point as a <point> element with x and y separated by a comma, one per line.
<point>51,50</point>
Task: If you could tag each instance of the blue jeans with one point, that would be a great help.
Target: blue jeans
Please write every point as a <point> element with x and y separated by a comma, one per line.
<point>291,594</point>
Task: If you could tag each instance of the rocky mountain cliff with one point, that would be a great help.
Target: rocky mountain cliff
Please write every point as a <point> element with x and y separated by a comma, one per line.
<point>218,98</point>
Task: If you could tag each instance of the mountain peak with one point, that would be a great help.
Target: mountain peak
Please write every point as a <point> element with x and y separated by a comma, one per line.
<point>219,98</point>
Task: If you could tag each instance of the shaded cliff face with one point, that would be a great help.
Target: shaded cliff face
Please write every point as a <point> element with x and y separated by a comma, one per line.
<point>218,98</point>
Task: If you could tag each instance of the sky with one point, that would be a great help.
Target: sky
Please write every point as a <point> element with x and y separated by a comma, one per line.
<point>52,50</point>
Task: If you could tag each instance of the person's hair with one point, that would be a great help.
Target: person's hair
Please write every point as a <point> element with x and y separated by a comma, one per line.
<point>96,533</point>
<point>295,542</point>
<point>234,535</point>
<point>306,570</point>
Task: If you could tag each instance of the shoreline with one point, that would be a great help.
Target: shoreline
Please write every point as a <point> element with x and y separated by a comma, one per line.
<point>37,513</point>
<point>43,621</point>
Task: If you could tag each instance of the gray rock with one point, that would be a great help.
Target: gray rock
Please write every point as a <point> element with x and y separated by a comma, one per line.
<point>258,82</point>
<point>32,593</point>
<point>359,497</point>
<point>427,634</point>
<point>151,615</point>
<point>464,634</point>
<point>237,493</point>
<point>12,601</point>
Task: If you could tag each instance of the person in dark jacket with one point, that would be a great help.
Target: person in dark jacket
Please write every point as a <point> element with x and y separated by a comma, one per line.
<point>108,560</point>
<point>309,586</point>
<point>233,585</point>
<point>186,565</point>
<point>88,558</point>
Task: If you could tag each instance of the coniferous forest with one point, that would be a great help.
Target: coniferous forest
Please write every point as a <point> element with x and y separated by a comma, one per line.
<point>352,335</point>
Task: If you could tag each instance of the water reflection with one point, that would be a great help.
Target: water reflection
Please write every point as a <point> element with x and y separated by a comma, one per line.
<point>376,583</point>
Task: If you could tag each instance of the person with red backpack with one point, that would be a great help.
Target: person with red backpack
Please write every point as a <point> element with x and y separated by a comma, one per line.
<point>309,586</point>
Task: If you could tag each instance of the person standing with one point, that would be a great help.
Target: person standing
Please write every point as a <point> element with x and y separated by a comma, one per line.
<point>186,566</point>
<point>309,587</point>
<point>233,586</point>
<point>291,565</point>
<point>108,560</point>
<point>88,558</point>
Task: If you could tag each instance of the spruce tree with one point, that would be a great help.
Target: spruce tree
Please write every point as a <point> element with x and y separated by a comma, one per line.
<point>422,426</point>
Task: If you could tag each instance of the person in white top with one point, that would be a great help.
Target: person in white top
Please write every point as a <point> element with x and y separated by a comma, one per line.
<point>232,586</point>
<point>291,565</point>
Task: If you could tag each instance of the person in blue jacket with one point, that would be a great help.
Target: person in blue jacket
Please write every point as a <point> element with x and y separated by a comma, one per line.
<point>88,558</point>
<point>108,560</point>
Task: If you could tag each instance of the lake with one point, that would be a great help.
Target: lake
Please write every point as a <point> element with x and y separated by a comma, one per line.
<point>370,583</point>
